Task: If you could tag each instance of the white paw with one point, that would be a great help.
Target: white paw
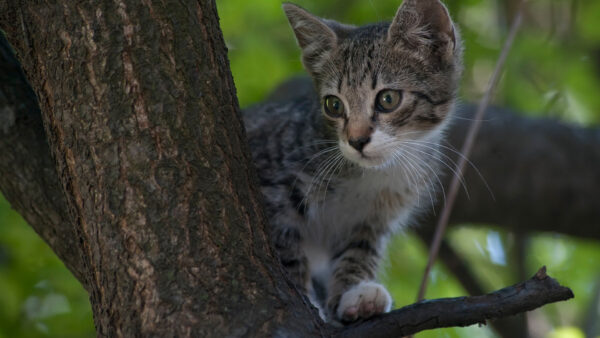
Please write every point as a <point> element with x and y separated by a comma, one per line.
<point>363,301</point>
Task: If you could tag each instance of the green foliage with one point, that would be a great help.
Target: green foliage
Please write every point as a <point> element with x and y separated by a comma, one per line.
<point>39,297</point>
<point>553,70</point>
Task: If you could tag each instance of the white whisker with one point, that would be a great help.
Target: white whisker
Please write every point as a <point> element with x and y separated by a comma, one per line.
<point>402,160</point>
<point>421,174</point>
<point>452,168</point>
<point>316,177</point>
<point>420,161</point>
<point>471,164</point>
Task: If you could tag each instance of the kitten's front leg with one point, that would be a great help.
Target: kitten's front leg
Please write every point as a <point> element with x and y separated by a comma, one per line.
<point>353,291</point>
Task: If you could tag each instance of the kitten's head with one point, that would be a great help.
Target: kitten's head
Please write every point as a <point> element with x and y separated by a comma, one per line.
<point>385,85</point>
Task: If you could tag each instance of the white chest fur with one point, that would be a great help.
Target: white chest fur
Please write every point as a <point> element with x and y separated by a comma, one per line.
<point>375,196</point>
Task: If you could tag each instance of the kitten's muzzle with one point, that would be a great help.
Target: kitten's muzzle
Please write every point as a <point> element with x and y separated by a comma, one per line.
<point>359,143</point>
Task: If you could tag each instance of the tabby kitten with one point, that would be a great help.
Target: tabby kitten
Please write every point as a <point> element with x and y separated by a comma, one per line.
<point>343,170</point>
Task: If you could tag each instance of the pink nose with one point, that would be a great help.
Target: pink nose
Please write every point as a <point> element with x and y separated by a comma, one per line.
<point>359,134</point>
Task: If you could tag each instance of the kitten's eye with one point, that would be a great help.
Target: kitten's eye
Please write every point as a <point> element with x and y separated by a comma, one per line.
<point>388,100</point>
<point>334,107</point>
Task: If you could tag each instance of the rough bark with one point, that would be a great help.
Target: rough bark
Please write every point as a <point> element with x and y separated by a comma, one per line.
<point>139,108</point>
<point>27,168</point>
<point>164,225</point>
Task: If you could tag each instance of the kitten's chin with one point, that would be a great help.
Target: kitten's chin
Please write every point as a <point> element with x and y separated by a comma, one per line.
<point>371,162</point>
<point>366,161</point>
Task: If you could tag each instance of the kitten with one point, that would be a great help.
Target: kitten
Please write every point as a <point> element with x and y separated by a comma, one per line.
<point>344,170</point>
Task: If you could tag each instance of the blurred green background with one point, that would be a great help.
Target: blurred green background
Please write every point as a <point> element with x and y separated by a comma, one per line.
<point>553,70</point>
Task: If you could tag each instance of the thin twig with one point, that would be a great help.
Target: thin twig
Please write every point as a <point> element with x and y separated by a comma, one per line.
<point>461,311</point>
<point>466,150</point>
<point>504,327</point>
<point>455,263</point>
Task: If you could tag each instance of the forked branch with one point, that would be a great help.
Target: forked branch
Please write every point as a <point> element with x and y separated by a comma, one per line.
<point>540,290</point>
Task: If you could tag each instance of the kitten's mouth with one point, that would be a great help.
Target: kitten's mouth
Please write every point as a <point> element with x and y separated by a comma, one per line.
<point>365,159</point>
<point>373,163</point>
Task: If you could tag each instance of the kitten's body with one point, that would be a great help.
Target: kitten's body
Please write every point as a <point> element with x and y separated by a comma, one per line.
<point>336,187</point>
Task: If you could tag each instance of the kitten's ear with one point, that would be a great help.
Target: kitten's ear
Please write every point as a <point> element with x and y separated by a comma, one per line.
<point>423,23</point>
<point>315,36</point>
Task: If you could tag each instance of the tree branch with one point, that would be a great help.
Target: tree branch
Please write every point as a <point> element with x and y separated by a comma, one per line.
<point>460,269</point>
<point>28,178</point>
<point>541,289</point>
<point>505,327</point>
<point>543,174</point>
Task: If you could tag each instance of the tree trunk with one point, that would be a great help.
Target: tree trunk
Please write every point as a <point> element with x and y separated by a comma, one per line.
<point>165,224</point>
